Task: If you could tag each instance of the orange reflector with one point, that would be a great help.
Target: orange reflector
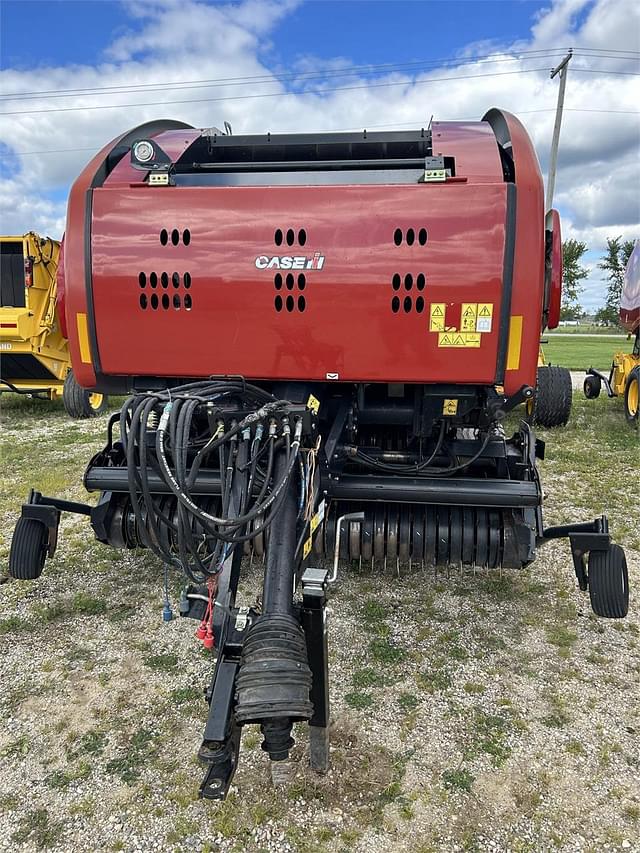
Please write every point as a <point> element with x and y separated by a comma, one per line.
<point>83,338</point>
<point>515,343</point>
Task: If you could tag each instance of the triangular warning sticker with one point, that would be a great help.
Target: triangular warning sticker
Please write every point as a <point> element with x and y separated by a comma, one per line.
<point>437,311</point>
<point>470,312</point>
<point>458,341</point>
<point>484,311</point>
<point>444,340</point>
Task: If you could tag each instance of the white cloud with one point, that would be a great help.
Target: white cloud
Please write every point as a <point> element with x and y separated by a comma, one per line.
<point>189,41</point>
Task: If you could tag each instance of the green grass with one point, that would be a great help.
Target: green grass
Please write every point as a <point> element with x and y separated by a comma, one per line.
<point>580,352</point>
<point>460,780</point>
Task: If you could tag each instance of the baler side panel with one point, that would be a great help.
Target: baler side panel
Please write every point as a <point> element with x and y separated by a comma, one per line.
<point>473,147</point>
<point>79,309</point>
<point>527,296</point>
<point>347,328</point>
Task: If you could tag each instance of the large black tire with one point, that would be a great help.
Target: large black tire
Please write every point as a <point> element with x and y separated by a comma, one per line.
<point>609,583</point>
<point>552,403</point>
<point>592,387</point>
<point>28,549</point>
<point>79,402</point>
<point>632,397</point>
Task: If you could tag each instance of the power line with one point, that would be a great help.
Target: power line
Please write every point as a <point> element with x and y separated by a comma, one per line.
<point>607,50</point>
<point>274,94</point>
<point>605,71</point>
<point>416,123</point>
<point>270,78</point>
<point>100,91</point>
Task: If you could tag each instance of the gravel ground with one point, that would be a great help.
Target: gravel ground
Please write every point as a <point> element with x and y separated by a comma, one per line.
<point>481,712</point>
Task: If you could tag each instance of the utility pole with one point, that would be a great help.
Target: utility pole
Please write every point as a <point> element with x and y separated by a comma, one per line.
<point>553,160</point>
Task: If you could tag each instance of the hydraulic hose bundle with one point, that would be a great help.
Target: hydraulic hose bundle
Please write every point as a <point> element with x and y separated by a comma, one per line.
<point>233,426</point>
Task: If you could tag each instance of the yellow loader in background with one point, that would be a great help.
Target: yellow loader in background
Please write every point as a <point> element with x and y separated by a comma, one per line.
<point>34,353</point>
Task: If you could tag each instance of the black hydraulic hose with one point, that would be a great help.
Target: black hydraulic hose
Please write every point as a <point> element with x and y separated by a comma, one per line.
<point>406,469</point>
<point>200,534</point>
<point>206,517</point>
<point>133,477</point>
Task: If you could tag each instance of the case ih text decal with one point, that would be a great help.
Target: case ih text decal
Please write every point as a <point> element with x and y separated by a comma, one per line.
<point>289,262</point>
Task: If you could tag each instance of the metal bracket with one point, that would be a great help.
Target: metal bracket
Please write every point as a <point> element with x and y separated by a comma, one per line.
<point>242,617</point>
<point>314,581</point>
<point>583,537</point>
<point>434,170</point>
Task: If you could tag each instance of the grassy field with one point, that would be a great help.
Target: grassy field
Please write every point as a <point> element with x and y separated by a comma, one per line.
<point>487,712</point>
<point>579,352</point>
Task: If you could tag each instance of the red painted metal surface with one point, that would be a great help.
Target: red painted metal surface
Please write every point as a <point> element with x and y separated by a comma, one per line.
<point>347,327</point>
<point>630,298</point>
<point>528,266</point>
<point>555,295</point>
<point>474,147</point>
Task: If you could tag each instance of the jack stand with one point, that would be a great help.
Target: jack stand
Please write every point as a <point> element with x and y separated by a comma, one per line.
<point>314,622</point>
<point>222,760</point>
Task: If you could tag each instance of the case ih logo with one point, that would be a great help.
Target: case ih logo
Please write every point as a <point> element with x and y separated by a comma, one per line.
<point>289,262</point>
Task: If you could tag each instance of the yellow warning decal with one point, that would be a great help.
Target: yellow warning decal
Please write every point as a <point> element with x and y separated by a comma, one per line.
<point>515,343</point>
<point>484,319</point>
<point>436,323</point>
<point>306,549</point>
<point>453,339</point>
<point>83,338</point>
<point>468,316</point>
<point>450,407</point>
<point>475,319</point>
<point>313,404</point>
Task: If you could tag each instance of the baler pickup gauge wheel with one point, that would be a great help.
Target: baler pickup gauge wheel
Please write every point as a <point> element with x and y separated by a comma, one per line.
<point>632,397</point>
<point>609,583</point>
<point>80,403</point>
<point>28,549</point>
<point>592,387</point>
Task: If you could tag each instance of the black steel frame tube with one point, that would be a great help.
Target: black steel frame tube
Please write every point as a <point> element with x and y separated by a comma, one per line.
<point>277,594</point>
<point>447,491</point>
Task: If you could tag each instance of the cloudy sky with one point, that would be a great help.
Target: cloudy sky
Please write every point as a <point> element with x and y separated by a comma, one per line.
<point>75,74</point>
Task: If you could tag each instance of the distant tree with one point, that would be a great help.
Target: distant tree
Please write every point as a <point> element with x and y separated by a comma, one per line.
<point>614,263</point>
<point>572,275</point>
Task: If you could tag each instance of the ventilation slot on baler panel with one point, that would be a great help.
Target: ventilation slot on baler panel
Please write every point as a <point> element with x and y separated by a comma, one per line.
<point>290,302</point>
<point>410,237</point>
<point>181,298</point>
<point>173,236</point>
<point>288,236</point>
<point>408,304</point>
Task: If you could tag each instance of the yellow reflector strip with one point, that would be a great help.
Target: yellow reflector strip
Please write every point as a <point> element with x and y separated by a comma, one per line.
<point>83,338</point>
<point>515,343</point>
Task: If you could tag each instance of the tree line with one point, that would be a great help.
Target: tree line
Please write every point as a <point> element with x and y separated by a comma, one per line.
<point>613,264</point>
